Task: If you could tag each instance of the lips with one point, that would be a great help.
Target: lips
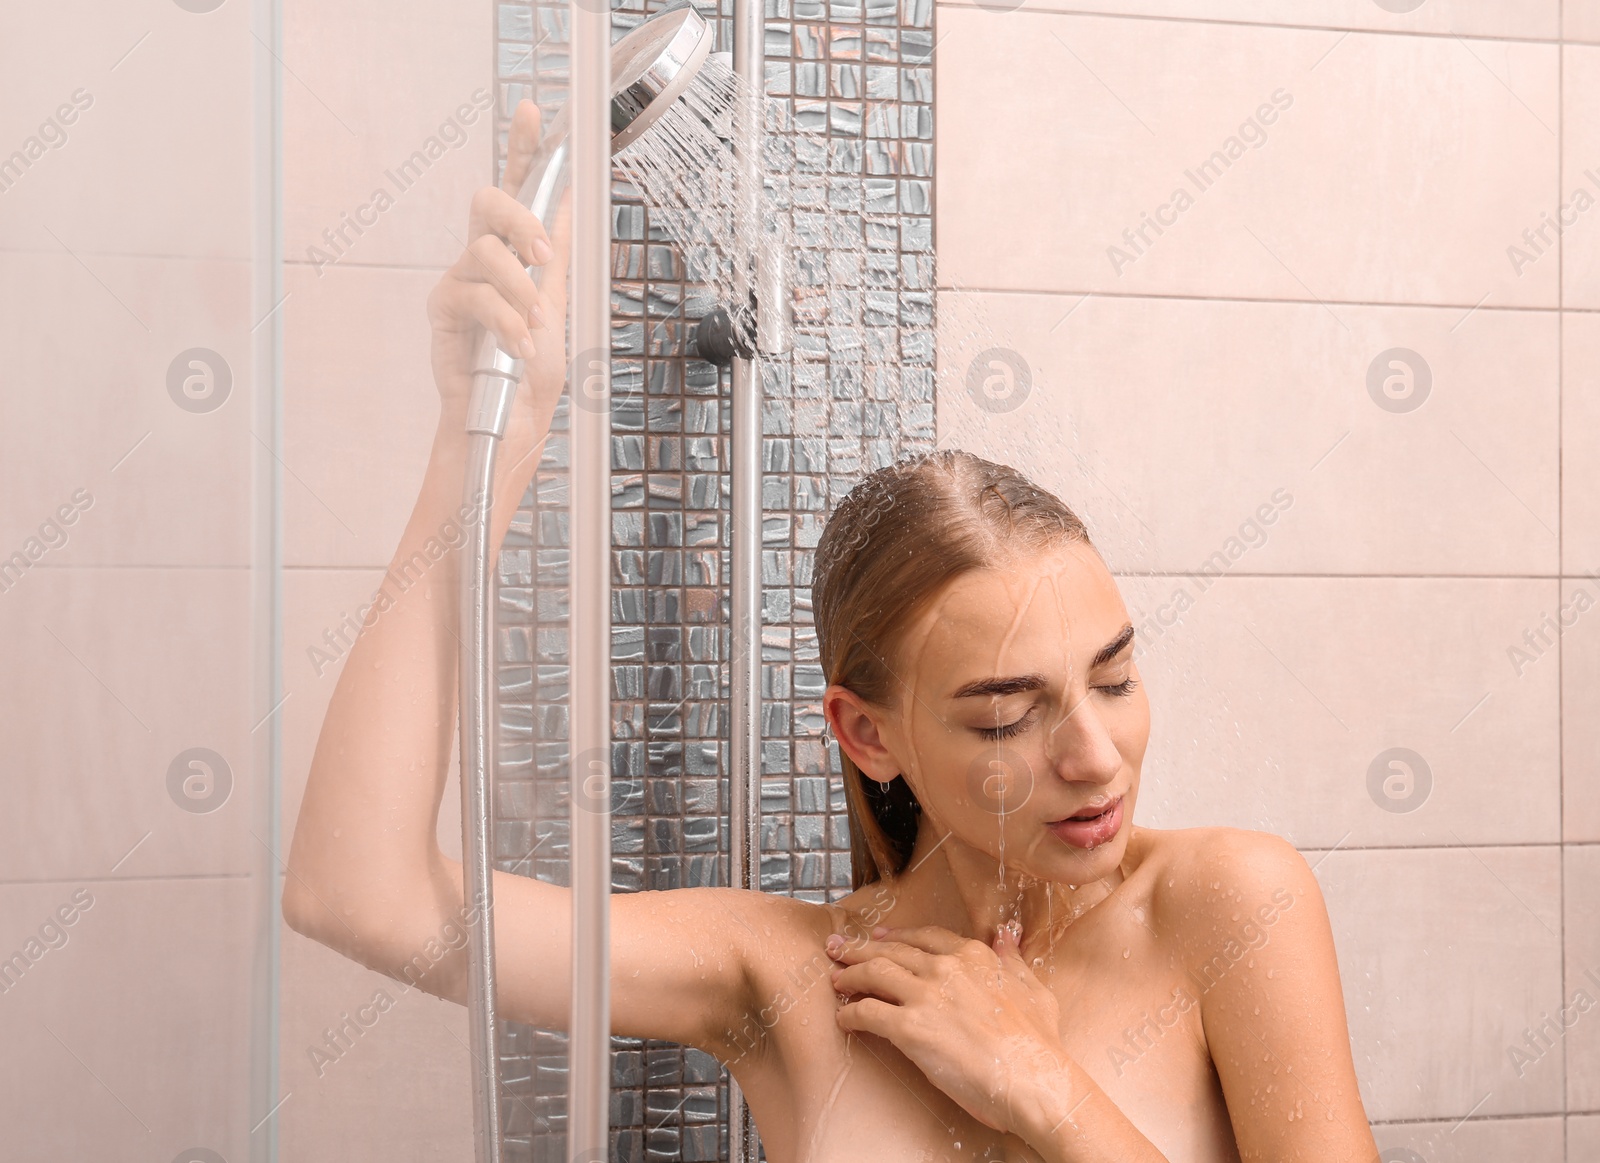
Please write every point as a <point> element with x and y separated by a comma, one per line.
<point>1092,811</point>
<point>1090,828</point>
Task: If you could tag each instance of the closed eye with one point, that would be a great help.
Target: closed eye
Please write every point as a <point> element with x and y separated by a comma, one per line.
<point>1006,730</point>
<point>1119,690</point>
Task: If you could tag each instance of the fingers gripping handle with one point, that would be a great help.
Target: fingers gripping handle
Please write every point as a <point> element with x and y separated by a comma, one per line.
<point>496,372</point>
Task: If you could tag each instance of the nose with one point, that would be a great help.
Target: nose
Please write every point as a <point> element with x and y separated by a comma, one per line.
<point>1081,748</point>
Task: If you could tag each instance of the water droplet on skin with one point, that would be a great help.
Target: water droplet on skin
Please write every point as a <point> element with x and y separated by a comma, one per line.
<point>1127,953</point>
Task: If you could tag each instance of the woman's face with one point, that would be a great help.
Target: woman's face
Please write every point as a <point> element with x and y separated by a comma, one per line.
<point>1021,724</point>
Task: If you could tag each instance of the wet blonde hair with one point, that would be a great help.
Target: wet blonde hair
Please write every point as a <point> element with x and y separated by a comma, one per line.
<point>897,539</point>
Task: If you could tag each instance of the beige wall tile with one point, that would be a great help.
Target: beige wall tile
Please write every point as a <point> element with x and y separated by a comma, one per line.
<point>319,605</point>
<point>1580,695</point>
<point>374,84</point>
<point>1581,1040</point>
<point>1583,1138</point>
<point>1581,20</point>
<point>1168,423</point>
<point>360,411</point>
<point>131,1039</point>
<point>1538,18</point>
<point>1445,956</point>
<point>127,671</point>
<point>1580,443</point>
<point>398,1089</point>
<point>1088,122</point>
<point>91,345</point>
<point>157,158</point>
<point>1577,212</point>
<point>1537,1140</point>
<point>1274,701</point>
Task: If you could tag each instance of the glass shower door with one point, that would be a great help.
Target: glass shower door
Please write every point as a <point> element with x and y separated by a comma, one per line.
<point>140,465</point>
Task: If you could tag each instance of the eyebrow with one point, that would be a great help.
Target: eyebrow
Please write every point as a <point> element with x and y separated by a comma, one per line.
<point>1020,683</point>
<point>1115,647</point>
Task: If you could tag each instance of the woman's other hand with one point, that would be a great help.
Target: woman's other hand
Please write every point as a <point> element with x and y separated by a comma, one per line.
<point>973,1017</point>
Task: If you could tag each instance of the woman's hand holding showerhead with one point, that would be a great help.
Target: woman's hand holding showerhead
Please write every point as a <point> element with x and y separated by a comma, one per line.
<point>489,289</point>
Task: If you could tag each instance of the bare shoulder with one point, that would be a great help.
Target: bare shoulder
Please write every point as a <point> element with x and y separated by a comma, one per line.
<point>1213,883</point>
<point>786,924</point>
<point>789,934</point>
<point>1248,922</point>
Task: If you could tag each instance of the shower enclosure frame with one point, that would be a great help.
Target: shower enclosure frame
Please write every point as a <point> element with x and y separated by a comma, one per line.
<point>744,631</point>
<point>588,1125</point>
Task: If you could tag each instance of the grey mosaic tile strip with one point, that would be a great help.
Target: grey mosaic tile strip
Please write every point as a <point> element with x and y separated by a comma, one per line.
<point>849,158</point>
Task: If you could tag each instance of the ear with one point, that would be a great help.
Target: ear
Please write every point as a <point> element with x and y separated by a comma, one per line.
<point>855,724</point>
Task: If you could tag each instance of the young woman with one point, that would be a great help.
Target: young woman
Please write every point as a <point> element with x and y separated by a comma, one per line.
<point>1021,973</point>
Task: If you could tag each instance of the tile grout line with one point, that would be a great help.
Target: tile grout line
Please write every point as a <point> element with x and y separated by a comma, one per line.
<point>1524,1116</point>
<point>1211,21</point>
<point>1293,576</point>
<point>1453,847</point>
<point>1269,300</point>
<point>167,877</point>
<point>1561,366</point>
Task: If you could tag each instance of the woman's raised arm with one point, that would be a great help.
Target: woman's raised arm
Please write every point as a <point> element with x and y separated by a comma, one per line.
<point>366,874</point>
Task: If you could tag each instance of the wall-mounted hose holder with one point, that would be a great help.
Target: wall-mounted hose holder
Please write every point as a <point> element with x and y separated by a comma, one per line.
<point>724,332</point>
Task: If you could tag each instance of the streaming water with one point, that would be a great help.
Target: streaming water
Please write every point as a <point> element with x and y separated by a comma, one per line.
<point>1001,776</point>
<point>686,168</point>
<point>861,295</point>
<point>825,1115</point>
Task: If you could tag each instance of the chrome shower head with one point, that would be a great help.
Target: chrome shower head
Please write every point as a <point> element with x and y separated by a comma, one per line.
<point>651,67</point>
